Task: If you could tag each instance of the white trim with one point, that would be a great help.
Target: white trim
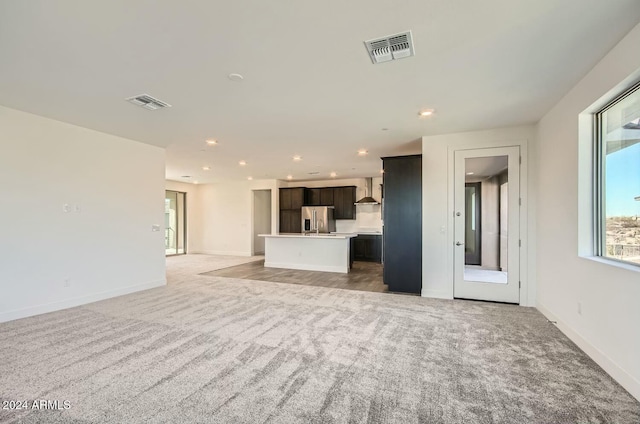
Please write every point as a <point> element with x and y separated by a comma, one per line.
<point>305,267</point>
<point>77,301</point>
<point>612,262</point>
<point>625,379</point>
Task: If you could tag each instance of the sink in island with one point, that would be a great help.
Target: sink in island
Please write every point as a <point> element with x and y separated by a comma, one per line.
<point>311,252</point>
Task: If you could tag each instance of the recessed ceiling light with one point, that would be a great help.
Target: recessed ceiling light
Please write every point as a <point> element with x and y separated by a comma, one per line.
<point>212,142</point>
<point>289,177</point>
<point>333,175</point>
<point>297,158</point>
<point>242,163</point>
<point>426,112</point>
<point>249,178</point>
<point>469,173</point>
<point>362,152</point>
<point>236,77</point>
<point>195,182</point>
<point>206,168</point>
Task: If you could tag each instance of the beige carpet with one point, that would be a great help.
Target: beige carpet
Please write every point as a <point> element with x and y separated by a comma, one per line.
<point>220,350</point>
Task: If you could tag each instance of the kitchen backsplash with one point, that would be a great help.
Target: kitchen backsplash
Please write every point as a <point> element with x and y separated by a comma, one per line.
<point>368,219</point>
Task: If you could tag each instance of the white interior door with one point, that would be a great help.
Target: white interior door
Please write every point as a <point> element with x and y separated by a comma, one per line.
<point>487,224</point>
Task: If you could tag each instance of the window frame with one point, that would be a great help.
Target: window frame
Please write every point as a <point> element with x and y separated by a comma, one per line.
<point>599,189</point>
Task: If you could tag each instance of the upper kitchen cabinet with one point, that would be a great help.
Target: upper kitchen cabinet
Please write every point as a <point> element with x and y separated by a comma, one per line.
<point>344,199</point>
<point>319,196</point>
<point>313,197</point>
<point>292,198</point>
<point>326,196</point>
<point>402,217</point>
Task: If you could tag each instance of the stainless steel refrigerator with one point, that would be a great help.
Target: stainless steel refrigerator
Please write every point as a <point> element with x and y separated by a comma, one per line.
<point>318,219</point>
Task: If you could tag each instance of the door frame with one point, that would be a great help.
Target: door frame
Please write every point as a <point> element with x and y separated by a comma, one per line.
<point>184,222</point>
<point>527,298</point>
<point>475,289</point>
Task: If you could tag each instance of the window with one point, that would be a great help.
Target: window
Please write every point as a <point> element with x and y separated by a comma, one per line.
<point>617,194</point>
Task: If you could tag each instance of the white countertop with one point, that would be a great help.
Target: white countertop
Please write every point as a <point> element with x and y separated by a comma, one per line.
<point>312,235</point>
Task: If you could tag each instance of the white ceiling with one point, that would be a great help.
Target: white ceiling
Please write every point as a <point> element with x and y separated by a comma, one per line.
<point>310,88</point>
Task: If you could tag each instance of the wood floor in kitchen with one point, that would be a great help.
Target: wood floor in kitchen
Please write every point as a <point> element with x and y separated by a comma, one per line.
<point>364,276</point>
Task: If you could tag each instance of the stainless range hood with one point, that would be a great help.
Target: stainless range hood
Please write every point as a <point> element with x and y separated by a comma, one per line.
<point>367,199</point>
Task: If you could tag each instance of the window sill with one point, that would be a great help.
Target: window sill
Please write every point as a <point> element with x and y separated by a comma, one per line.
<point>613,262</point>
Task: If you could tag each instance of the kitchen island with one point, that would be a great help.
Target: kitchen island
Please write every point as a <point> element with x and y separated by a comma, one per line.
<point>311,252</point>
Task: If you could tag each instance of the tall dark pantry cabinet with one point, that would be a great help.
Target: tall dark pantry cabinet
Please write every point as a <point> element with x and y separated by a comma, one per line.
<point>402,219</point>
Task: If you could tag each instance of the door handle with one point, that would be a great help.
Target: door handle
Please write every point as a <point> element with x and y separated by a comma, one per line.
<point>459,244</point>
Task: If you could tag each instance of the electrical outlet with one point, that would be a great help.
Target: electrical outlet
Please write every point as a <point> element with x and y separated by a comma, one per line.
<point>579,308</point>
<point>67,282</point>
<point>66,208</point>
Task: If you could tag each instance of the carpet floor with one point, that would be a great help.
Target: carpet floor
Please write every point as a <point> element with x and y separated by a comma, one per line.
<point>223,350</point>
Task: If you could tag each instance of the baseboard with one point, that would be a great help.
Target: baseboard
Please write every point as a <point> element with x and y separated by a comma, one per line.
<point>625,379</point>
<point>325,268</point>
<point>77,301</point>
<point>221,252</point>
<point>437,294</point>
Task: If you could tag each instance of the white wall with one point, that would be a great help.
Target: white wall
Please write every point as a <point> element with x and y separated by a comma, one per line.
<point>437,206</point>
<point>608,328</point>
<point>103,246</point>
<point>225,224</point>
<point>193,211</point>
<point>368,217</point>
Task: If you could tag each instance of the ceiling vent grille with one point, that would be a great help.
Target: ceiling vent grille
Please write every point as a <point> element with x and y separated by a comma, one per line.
<point>391,47</point>
<point>148,102</point>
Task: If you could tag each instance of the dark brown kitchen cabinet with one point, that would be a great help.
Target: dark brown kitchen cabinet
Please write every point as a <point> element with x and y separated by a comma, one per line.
<point>402,219</point>
<point>292,198</point>
<point>343,200</point>
<point>285,198</point>
<point>291,201</point>
<point>368,247</point>
<point>319,196</point>
<point>313,197</point>
<point>326,196</point>
<point>290,221</point>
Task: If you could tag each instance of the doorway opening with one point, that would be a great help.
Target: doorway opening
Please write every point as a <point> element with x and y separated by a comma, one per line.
<point>487,224</point>
<point>261,219</point>
<point>175,223</point>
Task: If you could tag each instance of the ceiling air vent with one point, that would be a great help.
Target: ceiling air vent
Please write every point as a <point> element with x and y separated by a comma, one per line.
<point>391,47</point>
<point>148,102</point>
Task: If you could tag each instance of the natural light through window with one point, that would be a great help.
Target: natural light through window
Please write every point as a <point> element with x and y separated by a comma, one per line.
<point>618,194</point>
